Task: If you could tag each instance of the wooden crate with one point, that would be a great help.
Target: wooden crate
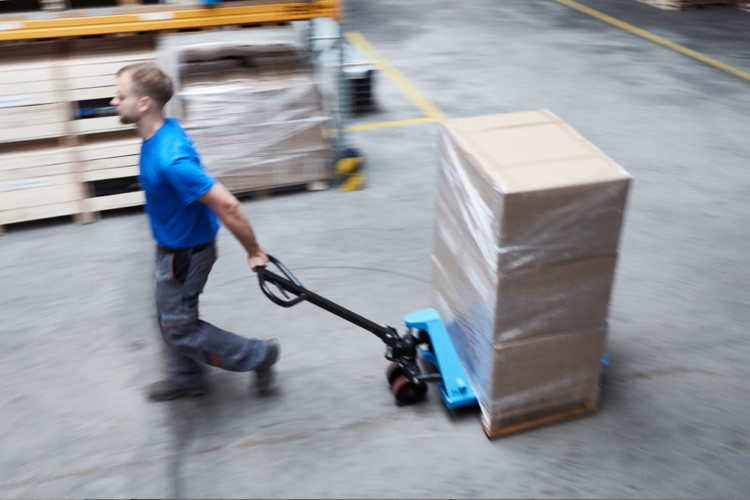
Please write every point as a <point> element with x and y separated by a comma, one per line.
<point>35,158</point>
<point>33,122</point>
<point>98,125</point>
<point>106,157</point>
<point>89,72</point>
<point>540,414</point>
<point>31,105</point>
<point>38,181</point>
<point>86,59</point>
<point>109,157</point>
<point>31,86</point>
<point>41,89</point>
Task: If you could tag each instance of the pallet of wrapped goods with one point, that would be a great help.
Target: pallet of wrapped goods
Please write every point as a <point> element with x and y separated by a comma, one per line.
<point>255,114</point>
<point>527,229</point>
<point>31,102</point>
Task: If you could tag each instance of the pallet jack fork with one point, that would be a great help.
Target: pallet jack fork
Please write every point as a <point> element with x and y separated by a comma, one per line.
<point>426,338</point>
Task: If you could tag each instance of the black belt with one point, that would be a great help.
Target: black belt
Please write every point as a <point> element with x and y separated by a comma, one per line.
<point>195,249</point>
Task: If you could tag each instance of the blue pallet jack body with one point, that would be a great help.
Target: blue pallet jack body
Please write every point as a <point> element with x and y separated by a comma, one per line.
<point>441,354</point>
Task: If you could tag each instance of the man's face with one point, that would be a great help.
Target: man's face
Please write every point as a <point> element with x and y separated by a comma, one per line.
<point>127,101</point>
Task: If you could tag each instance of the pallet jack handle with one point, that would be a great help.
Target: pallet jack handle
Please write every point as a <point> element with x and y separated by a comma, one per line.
<point>264,276</point>
<point>289,283</point>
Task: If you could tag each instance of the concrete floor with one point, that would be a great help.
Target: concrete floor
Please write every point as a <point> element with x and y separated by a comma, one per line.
<point>79,343</point>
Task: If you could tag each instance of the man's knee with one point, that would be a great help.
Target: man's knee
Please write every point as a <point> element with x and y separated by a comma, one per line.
<point>179,334</point>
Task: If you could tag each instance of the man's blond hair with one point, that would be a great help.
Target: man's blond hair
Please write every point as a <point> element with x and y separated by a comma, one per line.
<point>149,80</point>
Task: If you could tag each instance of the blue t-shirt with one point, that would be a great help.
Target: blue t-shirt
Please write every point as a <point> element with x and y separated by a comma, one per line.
<point>173,179</point>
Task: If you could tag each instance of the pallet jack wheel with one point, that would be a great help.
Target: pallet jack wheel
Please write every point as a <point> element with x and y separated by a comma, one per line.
<point>393,372</point>
<point>406,392</point>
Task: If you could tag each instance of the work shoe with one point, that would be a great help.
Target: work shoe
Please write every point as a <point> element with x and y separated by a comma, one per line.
<point>264,372</point>
<point>165,391</point>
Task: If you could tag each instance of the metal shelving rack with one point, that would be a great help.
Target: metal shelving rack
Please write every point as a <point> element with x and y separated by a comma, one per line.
<point>45,25</point>
<point>130,19</point>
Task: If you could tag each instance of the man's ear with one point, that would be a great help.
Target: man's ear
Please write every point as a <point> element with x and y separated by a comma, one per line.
<point>145,103</point>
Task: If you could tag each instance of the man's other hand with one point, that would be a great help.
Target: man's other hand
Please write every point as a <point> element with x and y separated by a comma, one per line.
<point>258,259</point>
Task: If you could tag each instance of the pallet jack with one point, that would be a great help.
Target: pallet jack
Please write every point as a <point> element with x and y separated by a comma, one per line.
<point>426,339</point>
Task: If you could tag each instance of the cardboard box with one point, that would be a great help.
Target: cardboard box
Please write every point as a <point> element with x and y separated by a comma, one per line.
<point>527,375</point>
<point>552,367</point>
<point>532,187</point>
<point>527,303</point>
<point>528,218</point>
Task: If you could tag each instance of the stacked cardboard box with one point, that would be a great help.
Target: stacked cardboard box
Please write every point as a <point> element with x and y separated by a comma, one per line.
<point>528,218</point>
<point>255,114</point>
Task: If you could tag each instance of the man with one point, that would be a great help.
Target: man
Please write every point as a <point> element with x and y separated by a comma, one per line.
<point>182,203</point>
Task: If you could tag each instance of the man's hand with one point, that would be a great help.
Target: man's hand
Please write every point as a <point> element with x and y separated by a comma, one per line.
<point>258,259</point>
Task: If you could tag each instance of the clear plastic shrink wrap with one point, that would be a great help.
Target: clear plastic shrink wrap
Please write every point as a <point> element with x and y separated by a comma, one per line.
<point>255,114</point>
<point>527,226</point>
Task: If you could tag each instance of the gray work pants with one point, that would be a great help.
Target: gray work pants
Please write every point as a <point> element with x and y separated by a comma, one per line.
<point>180,279</point>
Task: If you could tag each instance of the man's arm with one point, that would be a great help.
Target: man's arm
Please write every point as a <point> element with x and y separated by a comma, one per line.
<point>229,210</point>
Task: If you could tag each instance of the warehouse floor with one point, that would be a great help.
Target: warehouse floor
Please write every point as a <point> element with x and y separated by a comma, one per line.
<point>79,342</point>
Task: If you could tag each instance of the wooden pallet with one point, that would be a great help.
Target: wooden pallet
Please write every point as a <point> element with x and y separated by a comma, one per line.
<point>686,4</point>
<point>261,193</point>
<point>540,415</point>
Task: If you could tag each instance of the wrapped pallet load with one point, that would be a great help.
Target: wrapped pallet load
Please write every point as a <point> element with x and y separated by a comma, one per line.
<point>528,218</point>
<point>255,114</point>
